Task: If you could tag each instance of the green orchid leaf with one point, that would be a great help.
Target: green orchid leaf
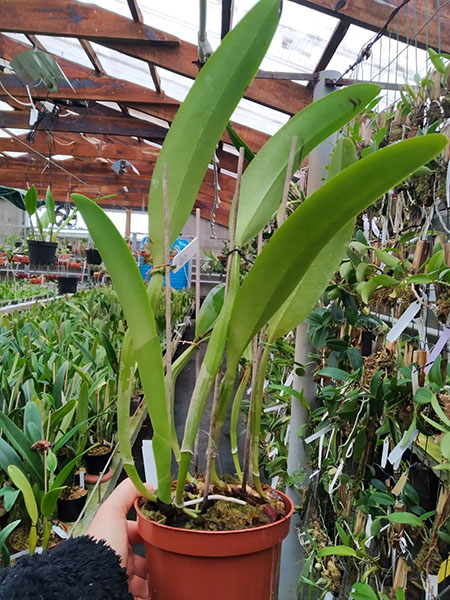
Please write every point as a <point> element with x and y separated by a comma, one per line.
<point>209,310</point>
<point>22,444</point>
<point>309,289</point>
<point>50,206</point>
<point>22,483</point>
<point>136,305</point>
<point>30,200</point>
<point>49,501</point>
<point>260,196</point>
<point>405,518</point>
<point>291,250</point>
<point>203,117</point>
<point>374,283</point>
<point>32,422</point>
<point>337,551</point>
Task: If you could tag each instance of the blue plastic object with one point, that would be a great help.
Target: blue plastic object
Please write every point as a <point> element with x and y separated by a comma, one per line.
<point>178,280</point>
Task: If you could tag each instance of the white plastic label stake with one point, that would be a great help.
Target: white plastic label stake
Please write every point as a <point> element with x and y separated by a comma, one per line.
<point>405,443</point>
<point>318,434</point>
<point>432,587</point>
<point>185,255</point>
<point>440,345</point>
<point>82,482</point>
<point>149,462</point>
<point>403,321</point>
<point>384,456</point>
<point>60,532</point>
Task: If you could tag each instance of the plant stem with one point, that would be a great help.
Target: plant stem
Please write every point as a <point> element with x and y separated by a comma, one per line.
<point>208,371</point>
<point>235,418</point>
<point>168,354</point>
<point>257,403</point>
<point>211,449</point>
<point>126,377</point>
<point>281,216</point>
<point>246,476</point>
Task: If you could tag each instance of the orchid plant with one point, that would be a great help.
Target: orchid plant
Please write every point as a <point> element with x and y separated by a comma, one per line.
<point>287,277</point>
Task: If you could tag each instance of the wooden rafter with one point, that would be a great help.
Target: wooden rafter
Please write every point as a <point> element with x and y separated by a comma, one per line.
<point>99,179</point>
<point>86,21</point>
<point>91,87</point>
<point>227,17</point>
<point>36,43</point>
<point>135,11</point>
<point>332,45</point>
<point>373,14</point>
<point>92,56</point>
<point>119,125</point>
<point>70,18</point>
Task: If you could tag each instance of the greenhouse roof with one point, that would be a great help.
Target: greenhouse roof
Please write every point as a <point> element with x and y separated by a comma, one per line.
<point>133,87</point>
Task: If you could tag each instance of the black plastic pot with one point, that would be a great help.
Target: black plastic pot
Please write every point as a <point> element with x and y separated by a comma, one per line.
<point>41,253</point>
<point>69,510</point>
<point>95,463</point>
<point>93,257</point>
<point>67,285</point>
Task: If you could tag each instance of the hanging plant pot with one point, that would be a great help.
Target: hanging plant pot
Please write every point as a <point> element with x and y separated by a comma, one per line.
<point>71,503</point>
<point>240,564</point>
<point>67,285</point>
<point>93,257</point>
<point>41,253</point>
<point>97,458</point>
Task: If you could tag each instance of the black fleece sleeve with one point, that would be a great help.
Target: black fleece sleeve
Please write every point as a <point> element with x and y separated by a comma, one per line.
<point>77,569</point>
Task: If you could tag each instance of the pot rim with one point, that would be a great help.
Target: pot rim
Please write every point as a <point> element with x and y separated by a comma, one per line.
<point>181,530</point>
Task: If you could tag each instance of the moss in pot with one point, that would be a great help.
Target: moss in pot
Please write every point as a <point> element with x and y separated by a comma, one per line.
<point>279,291</point>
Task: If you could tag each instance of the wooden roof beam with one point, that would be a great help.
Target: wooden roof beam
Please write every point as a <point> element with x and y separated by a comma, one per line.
<point>227,17</point>
<point>92,56</point>
<point>332,45</point>
<point>135,11</point>
<point>94,124</point>
<point>69,18</point>
<point>137,16</point>
<point>90,87</point>
<point>373,14</point>
<point>87,21</point>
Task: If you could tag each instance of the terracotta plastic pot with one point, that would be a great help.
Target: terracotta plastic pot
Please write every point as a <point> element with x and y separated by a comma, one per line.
<point>185,564</point>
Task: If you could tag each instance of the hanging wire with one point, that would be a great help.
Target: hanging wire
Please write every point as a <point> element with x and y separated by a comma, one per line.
<point>446,3</point>
<point>366,50</point>
<point>416,27</point>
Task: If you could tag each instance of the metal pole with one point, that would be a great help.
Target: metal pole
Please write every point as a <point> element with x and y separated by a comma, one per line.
<point>292,557</point>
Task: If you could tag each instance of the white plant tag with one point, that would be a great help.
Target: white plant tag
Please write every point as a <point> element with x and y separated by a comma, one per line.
<point>439,346</point>
<point>320,451</point>
<point>385,453</point>
<point>82,482</point>
<point>185,255</point>
<point>318,434</point>
<point>34,113</point>
<point>149,462</point>
<point>404,444</point>
<point>414,380</point>
<point>403,321</point>
<point>60,532</point>
<point>431,590</point>
<point>333,485</point>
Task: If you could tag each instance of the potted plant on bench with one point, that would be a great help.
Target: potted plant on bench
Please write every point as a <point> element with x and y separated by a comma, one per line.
<point>296,263</point>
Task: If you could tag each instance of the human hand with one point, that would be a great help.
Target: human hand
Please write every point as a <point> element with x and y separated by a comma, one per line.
<point>111,524</point>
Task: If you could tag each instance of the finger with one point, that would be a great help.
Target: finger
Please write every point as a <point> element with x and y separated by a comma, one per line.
<point>138,586</point>
<point>138,566</point>
<point>133,535</point>
<point>122,498</point>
